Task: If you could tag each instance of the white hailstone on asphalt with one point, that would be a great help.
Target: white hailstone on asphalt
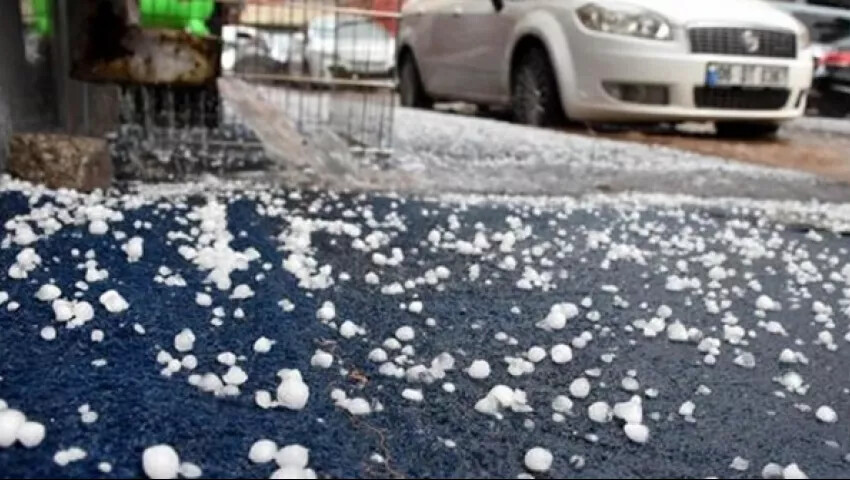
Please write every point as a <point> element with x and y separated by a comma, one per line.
<point>104,467</point>
<point>189,362</point>
<point>63,310</point>
<point>349,329</point>
<point>263,399</point>
<point>98,227</point>
<point>113,302</point>
<point>372,278</point>
<point>636,432</point>
<point>787,356</point>
<point>292,393</point>
<point>134,249</point>
<point>184,341</point>
<point>10,421</point>
<point>449,387</point>
<point>203,299</point>
<point>772,471</point>
<point>321,359</point>
<point>210,383</point>
<point>263,345</point>
<point>73,454</point>
<point>562,404</point>
<point>226,358</point>
<point>629,384</point>
<point>48,333</point>
<point>538,460</point>
<point>405,333</point>
<point>745,360</point>
<point>766,303</point>
<point>97,335</point>
<point>48,293</point>
<point>326,312</point>
<point>30,434</point>
<point>414,395</point>
<point>793,472</point>
<point>687,409</point>
<point>676,332</point>
<point>536,354</point>
<point>826,414</point>
<point>292,456</point>
<point>561,354</point>
<point>415,307</point>
<point>580,388</point>
<point>83,312</point>
<point>433,323</point>
<point>378,355</point>
<point>479,369</point>
<point>189,470</point>
<point>631,411</point>
<point>241,292</point>
<point>600,412</point>
<point>262,451</point>
<point>235,376</point>
<point>160,461</point>
<point>740,464</point>
<point>558,316</point>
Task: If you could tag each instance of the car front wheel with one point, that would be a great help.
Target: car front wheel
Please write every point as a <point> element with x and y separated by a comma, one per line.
<point>410,87</point>
<point>534,94</point>
<point>746,129</point>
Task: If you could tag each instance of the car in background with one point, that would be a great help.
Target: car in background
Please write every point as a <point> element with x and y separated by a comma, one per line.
<point>348,46</point>
<point>832,81</point>
<point>830,31</point>
<point>742,64</point>
<point>251,50</point>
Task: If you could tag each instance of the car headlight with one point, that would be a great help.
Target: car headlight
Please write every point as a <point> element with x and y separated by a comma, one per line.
<point>622,19</point>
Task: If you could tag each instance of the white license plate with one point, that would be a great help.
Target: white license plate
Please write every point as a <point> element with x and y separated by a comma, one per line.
<point>743,75</point>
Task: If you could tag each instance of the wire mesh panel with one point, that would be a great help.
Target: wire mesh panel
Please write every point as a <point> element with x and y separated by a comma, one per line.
<point>330,64</point>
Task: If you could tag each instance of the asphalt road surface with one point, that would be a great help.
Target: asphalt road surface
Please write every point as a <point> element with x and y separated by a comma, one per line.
<point>655,300</point>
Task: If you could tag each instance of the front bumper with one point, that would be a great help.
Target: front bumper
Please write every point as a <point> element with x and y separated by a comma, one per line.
<point>599,58</point>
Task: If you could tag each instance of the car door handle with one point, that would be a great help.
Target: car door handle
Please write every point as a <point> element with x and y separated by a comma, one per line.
<point>457,11</point>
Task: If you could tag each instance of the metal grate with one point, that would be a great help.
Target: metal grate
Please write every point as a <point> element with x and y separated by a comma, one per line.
<point>741,98</point>
<point>743,41</point>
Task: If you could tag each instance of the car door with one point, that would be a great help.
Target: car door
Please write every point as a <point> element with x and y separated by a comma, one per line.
<point>436,43</point>
<point>482,36</point>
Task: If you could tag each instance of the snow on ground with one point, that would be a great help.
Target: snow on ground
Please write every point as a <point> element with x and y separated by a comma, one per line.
<point>376,335</point>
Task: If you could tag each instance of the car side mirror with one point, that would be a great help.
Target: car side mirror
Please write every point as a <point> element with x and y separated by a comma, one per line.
<point>498,5</point>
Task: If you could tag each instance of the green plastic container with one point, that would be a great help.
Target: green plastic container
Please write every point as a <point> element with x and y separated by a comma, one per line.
<point>43,18</point>
<point>189,15</point>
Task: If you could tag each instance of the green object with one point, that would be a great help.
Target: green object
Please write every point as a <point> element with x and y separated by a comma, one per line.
<point>43,18</point>
<point>189,15</point>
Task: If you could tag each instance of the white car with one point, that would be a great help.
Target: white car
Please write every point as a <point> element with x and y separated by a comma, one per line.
<point>743,64</point>
<point>348,46</point>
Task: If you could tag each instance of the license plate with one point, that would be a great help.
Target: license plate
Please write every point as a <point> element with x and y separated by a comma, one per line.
<point>743,75</point>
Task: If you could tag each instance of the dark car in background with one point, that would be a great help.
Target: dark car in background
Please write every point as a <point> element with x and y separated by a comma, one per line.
<point>828,22</point>
<point>832,81</point>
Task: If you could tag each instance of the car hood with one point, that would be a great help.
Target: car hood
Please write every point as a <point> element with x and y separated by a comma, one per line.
<point>754,12</point>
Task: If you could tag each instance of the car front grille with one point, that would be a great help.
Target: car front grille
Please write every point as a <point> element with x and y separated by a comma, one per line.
<point>736,98</point>
<point>743,41</point>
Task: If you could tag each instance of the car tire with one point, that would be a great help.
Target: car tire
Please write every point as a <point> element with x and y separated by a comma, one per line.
<point>535,99</point>
<point>744,130</point>
<point>411,90</point>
